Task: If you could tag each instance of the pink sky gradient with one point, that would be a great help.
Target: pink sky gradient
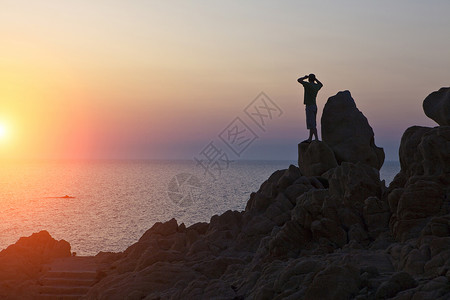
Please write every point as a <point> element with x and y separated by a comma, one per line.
<point>115,79</point>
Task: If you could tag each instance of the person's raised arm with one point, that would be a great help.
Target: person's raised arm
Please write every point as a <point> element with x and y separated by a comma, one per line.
<point>321,84</point>
<point>302,79</point>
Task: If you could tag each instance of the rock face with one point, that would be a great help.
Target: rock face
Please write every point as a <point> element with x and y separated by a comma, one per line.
<point>421,190</point>
<point>315,158</point>
<point>437,106</point>
<point>425,151</point>
<point>348,133</point>
<point>21,263</point>
<point>321,231</point>
<point>265,251</point>
<point>327,230</point>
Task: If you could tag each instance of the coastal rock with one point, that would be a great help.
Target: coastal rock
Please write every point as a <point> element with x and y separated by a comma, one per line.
<point>354,183</point>
<point>289,176</point>
<point>21,263</point>
<point>339,235</point>
<point>24,258</point>
<point>421,190</point>
<point>321,231</point>
<point>315,158</point>
<point>311,206</point>
<point>334,282</point>
<point>330,230</point>
<point>376,216</point>
<point>291,238</point>
<point>348,133</point>
<point>425,151</point>
<point>419,201</point>
<point>398,282</point>
<point>260,200</point>
<point>437,106</point>
<point>335,216</point>
<point>410,156</point>
<point>435,150</point>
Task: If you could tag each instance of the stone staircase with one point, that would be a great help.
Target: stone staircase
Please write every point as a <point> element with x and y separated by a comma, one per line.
<point>67,278</point>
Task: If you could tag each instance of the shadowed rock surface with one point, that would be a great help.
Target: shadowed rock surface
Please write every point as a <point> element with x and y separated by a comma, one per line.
<point>437,106</point>
<point>340,235</point>
<point>348,133</point>
<point>315,158</point>
<point>421,190</point>
<point>21,263</point>
<point>320,231</point>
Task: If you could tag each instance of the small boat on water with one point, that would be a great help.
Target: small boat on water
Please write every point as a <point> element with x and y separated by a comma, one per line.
<point>63,197</point>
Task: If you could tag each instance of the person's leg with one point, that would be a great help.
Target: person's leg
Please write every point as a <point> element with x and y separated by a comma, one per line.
<point>313,132</point>
<point>314,129</point>
<point>309,122</point>
<point>311,112</point>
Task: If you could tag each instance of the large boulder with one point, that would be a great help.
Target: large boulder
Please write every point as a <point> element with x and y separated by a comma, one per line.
<point>315,158</point>
<point>348,133</point>
<point>418,203</point>
<point>437,106</point>
<point>334,282</point>
<point>21,263</point>
<point>25,258</point>
<point>425,151</point>
<point>409,154</point>
<point>354,183</point>
<point>421,190</point>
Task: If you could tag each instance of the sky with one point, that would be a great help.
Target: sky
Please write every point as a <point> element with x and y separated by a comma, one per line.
<point>163,79</point>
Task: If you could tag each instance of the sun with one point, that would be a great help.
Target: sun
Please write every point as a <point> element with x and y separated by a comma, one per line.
<point>3,131</point>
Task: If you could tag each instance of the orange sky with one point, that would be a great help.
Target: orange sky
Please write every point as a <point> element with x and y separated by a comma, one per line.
<point>115,79</point>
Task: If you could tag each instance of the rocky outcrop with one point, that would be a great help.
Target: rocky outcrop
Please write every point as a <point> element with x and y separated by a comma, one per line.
<point>348,133</point>
<point>419,200</point>
<point>329,229</point>
<point>421,189</point>
<point>437,106</point>
<point>315,158</point>
<point>21,263</point>
<point>262,252</point>
<point>324,230</point>
<point>425,151</point>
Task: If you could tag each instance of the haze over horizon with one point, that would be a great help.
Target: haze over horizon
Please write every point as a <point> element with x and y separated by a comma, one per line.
<point>109,79</point>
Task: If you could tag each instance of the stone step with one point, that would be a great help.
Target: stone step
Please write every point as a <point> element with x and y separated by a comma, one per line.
<point>58,297</point>
<point>64,290</point>
<point>52,281</point>
<point>71,274</point>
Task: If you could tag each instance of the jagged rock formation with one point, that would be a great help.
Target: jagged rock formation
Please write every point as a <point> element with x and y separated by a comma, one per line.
<point>425,174</point>
<point>321,231</point>
<point>315,158</point>
<point>21,263</point>
<point>437,106</point>
<point>297,235</point>
<point>348,133</point>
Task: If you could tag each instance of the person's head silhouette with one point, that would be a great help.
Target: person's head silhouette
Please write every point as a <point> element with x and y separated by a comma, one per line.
<point>311,77</point>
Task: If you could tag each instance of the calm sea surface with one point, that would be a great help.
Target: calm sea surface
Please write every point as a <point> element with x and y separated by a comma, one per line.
<point>117,201</point>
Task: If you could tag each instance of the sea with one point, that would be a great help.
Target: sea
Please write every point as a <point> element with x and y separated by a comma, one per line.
<point>107,205</point>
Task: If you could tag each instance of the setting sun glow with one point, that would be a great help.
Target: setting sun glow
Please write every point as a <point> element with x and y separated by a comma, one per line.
<point>3,131</point>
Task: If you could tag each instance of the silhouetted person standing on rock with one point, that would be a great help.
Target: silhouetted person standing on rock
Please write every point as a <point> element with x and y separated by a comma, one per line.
<point>311,89</point>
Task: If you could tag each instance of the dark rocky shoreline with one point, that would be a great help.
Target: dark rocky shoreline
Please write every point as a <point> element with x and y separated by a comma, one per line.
<point>328,229</point>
